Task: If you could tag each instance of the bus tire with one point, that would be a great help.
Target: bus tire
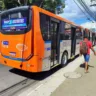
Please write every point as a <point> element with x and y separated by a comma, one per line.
<point>64,59</point>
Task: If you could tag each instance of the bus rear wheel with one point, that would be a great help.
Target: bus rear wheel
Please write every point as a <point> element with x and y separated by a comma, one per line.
<point>64,59</point>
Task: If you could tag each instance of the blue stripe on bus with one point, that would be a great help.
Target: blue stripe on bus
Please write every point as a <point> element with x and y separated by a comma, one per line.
<point>48,49</point>
<point>50,41</point>
<point>18,59</point>
<point>47,41</point>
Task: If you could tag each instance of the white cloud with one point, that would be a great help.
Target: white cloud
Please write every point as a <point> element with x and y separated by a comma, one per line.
<point>89,25</point>
<point>72,11</point>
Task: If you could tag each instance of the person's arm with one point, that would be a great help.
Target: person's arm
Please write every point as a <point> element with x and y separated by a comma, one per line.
<point>93,50</point>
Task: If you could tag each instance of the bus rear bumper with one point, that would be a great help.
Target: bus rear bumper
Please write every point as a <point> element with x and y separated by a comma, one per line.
<point>31,65</point>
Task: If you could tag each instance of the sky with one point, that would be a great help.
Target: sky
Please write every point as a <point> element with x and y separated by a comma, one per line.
<point>73,13</point>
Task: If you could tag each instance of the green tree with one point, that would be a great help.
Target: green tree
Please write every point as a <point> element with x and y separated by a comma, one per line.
<point>11,3</point>
<point>1,5</point>
<point>50,5</point>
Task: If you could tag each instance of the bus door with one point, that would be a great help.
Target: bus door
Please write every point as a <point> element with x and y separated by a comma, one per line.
<point>73,41</point>
<point>55,41</point>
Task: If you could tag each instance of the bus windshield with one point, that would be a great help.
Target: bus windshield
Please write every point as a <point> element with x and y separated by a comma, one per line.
<point>15,21</point>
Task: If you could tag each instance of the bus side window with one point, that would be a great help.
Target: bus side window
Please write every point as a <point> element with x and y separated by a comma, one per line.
<point>78,34</point>
<point>62,28</point>
<point>44,26</point>
<point>67,32</point>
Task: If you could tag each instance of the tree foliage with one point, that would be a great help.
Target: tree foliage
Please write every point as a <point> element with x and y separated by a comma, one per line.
<point>2,5</point>
<point>51,5</point>
<point>11,3</point>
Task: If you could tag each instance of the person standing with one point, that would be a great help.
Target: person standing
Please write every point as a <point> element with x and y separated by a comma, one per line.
<point>85,47</point>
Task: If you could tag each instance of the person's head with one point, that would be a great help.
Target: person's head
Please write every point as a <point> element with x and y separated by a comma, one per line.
<point>86,38</point>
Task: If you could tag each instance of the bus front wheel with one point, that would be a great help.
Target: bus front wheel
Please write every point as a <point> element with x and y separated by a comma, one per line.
<point>64,59</point>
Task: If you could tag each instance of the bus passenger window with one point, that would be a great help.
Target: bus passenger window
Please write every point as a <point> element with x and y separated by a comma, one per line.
<point>16,22</point>
<point>62,28</point>
<point>78,33</point>
<point>67,32</point>
<point>44,25</point>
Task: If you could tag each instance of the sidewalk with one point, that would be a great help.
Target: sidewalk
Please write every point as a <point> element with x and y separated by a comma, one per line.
<point>58,85</point>
<point>83,86</point>
<point>50,84</point>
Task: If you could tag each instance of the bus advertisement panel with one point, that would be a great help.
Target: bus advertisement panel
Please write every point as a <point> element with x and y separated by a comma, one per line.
<point>19,23</point>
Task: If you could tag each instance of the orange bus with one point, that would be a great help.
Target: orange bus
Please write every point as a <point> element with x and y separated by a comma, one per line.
<point>35,40</point>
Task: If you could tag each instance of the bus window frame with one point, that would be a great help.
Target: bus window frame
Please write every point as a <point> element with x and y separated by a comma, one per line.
<point>54,19</point>
<point>62,30</point>
<point>80,31</point>
<point>70,36</point>
<point>14,10</point>
<point>47,18</point>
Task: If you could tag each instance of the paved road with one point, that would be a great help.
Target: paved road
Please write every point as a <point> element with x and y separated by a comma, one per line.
<point>8,77</point>
<point>84,86</point>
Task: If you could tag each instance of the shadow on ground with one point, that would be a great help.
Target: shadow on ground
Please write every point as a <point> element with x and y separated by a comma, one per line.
<point>35,76</point>
<point>83,66</point>
<point>38,76</point>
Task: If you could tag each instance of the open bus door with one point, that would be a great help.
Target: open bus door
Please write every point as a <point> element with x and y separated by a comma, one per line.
<point>55,41</point>
<point>73,41</point>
